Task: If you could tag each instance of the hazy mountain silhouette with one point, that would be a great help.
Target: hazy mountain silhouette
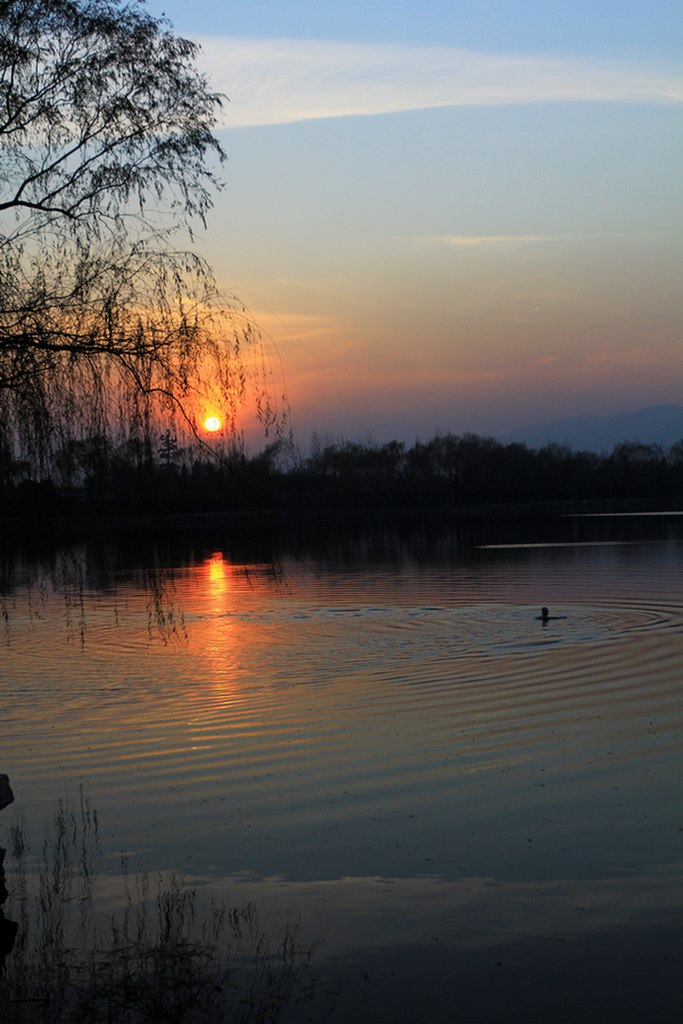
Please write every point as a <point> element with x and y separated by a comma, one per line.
<point>657,424</point>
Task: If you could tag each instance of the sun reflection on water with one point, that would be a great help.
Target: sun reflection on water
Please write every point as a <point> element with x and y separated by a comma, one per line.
<point>216,572</point>
<point>214,634</point>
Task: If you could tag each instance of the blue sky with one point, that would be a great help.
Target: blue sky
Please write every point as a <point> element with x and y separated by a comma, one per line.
<point>452,216</point>
<point>579,26</point>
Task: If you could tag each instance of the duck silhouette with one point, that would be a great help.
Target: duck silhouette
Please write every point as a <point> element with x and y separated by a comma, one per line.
<point>545,616</point>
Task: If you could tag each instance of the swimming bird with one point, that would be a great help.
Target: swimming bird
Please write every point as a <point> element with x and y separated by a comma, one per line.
<point>545,616</point>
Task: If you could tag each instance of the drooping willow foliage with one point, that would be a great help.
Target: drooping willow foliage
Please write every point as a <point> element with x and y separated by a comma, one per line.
<point>107,151</point>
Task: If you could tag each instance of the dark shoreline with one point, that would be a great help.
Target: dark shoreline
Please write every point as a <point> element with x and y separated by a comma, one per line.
<point>80,526</point>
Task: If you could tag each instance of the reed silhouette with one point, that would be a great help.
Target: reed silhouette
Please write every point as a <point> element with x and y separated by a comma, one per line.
<point>159,957</point>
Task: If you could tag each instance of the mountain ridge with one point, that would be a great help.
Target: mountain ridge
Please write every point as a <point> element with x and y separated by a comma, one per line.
<point>654,424</point>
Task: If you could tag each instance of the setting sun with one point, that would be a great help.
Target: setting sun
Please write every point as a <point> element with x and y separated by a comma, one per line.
<point>212,424</point>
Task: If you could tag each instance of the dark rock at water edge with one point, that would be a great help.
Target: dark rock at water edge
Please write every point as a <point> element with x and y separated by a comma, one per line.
<point>6,794</point>
<point>8,929</point>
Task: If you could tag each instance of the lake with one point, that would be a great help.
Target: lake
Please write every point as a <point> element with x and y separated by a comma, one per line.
<point>369,727</point>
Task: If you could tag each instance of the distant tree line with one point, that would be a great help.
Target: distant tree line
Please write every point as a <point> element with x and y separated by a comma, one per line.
<point>94,476</point>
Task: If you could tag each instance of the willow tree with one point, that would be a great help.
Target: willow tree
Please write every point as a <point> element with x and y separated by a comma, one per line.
<point>107,157</point>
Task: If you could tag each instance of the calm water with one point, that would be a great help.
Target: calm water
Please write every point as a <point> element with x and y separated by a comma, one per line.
<point>480,813</point>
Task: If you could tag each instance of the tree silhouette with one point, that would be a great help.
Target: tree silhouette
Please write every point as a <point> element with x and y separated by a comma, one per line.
<point>107,151</point>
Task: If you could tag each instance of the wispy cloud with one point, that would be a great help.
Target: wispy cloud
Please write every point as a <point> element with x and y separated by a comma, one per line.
<point>498,241</point>
<point>280,81</point>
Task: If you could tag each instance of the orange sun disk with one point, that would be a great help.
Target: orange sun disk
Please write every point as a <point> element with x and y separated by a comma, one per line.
<point>212,424</point>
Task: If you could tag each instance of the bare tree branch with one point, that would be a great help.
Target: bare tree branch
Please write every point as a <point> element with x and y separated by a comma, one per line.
<point>107,147</point>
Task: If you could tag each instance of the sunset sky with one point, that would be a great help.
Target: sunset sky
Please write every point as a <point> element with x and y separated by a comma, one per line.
<point>453,215</point>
